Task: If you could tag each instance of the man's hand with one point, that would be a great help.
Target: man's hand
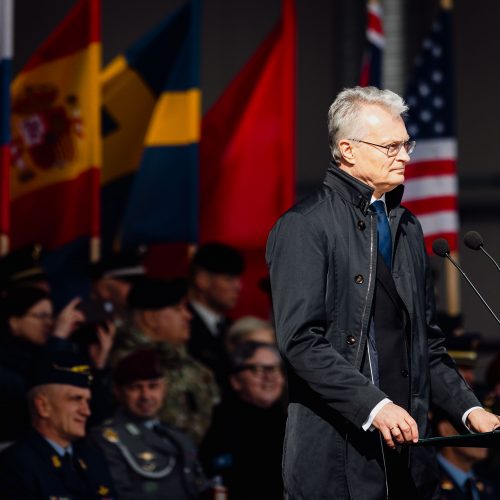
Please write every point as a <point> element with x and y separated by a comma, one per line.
<point>68,319</point>
<point>479,420</point>
<point>395,424</point>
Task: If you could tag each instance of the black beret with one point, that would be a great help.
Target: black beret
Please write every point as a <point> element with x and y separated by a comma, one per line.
<point>150,294</point>
<point>143,364</point>
<point>61,367</point>
<point>21,265</point>
<point>219,259</point>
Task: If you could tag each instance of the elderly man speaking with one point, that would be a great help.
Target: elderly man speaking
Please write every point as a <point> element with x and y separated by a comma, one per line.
<point>354,310</point>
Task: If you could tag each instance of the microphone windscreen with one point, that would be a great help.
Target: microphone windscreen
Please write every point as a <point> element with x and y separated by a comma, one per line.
<point>473,240</point>
<point>440,247</point>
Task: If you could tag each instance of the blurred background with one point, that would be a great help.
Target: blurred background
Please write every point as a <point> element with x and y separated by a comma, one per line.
<point>331,40</point>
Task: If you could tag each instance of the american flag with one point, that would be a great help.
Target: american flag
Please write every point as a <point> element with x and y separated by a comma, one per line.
<point>371,68</point>
<point>431,186</point>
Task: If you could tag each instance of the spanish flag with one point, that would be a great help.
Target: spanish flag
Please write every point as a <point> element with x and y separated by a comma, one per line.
<point>151,128</point>
<point>56,139</point>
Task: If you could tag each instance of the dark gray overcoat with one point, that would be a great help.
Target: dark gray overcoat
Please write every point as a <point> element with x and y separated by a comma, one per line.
<point>322,257</point>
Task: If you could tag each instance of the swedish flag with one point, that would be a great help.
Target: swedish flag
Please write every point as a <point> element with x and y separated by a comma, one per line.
<point>151,128</point>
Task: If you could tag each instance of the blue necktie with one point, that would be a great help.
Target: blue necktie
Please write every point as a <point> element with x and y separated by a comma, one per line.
<point>383,232</point>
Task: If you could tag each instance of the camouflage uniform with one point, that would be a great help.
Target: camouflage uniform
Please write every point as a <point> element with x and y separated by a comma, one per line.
<point>191,388</point>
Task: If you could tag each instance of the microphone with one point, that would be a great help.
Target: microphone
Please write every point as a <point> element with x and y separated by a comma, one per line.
<point>440,247</point>
<point>475,242</point>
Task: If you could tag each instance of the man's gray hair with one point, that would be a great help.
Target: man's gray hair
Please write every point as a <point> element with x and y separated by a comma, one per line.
<point>343,115</point>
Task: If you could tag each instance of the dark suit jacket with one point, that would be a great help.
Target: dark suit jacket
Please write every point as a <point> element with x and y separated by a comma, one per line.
<point>208,348</point>
<point>31,469</point>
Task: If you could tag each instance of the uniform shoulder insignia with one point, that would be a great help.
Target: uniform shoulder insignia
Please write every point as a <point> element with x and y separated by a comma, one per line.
<point>447,485</point>
<point>133,429</point>
<point>56,461</point>
<point>110,435</point>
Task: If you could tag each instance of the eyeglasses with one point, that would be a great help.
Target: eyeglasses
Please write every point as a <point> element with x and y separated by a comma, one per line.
<point>41,316</point>
<point>393,148</point>
<point>260,370</point>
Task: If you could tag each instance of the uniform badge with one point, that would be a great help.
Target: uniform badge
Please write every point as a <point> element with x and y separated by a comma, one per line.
<point>102,491</point>
<point>110,435</point>
<point>83,465</point>
<point>56,461</point>
<point>447,485</point>
<point>147,456</point>
<point>480,486</point>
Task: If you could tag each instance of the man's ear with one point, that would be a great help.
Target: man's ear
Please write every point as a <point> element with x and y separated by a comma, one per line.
<point>149,318</point>
<point>42,405</point>
<point>347,151</point>
<point>235,383</point>
<point>202,280</point>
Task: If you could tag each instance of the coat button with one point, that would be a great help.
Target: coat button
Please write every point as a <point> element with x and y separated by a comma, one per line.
<point>361,225</point>
<point>359,279</point>
<point>405,373</point>
<point>351,339</point>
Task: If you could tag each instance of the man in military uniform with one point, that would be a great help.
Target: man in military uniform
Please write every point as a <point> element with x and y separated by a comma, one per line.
<point>147,458</point>
<point>160,320</point>
<point>460,479</point>
<point>53,461</point>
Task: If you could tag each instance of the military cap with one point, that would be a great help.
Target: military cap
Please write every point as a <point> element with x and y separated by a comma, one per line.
<point>126,266</point>
<point>218,258</point>
<point>18,301</point>
<point>61,367</point>
<point>143,364</point>
<point>463,348</point>
<point>151,294</point>
<point>22,265</point>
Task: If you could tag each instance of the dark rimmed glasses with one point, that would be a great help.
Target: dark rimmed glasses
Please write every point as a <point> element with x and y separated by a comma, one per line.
<point>393,148</point>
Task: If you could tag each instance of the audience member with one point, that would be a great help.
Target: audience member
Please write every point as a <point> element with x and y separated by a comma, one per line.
<point>27,330</point>
<point>53,460</point>
<point>249,329</point>
<point>459,476</point>
<point>112,280</point>
<point>215,286</point>
<point>23,267</point>
<point>160,320</point>
<point>147,458</point>
<point>244,443</point>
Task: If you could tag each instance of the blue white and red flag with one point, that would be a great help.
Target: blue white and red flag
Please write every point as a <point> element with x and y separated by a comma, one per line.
<point>431,186</point>
<point>6,53</point>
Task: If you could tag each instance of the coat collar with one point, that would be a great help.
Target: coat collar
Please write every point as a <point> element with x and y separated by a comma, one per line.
<point>356,192</point>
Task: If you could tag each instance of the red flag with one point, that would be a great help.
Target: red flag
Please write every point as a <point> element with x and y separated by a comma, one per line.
<point>247,173</point>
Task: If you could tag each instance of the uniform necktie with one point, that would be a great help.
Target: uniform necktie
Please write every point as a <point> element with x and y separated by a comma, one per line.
<point>470,488</point>
<point>383,232</point>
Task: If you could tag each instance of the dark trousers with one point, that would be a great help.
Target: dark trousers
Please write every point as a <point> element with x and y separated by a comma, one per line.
<point>399,480</point>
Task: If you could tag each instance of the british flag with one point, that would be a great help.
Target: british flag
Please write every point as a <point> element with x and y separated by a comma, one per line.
<point>431,186</point>
<point>371,68</point>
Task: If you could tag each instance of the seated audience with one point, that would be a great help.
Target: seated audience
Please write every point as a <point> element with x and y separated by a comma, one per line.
<point>27,330</point>
<point>459,475</point>
<point>214,290</point>
<point>53,460</point>
<point>160,320</point>
<point>244,444</point>
<point>147,458</point>
<point>249,329</point>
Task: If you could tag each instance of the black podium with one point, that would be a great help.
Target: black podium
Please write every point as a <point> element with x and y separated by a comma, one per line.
<point>473,440</point>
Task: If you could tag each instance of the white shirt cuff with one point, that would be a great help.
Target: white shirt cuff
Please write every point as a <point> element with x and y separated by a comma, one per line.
<point>466,414</point>
<point>367,425</point>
